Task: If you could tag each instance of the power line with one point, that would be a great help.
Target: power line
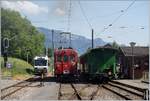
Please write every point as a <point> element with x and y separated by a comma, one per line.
<point>115,20</point>
<point>109,15</point>
<point>86,18</point>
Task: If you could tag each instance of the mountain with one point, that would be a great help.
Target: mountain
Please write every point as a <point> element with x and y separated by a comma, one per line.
<point>80,43</point>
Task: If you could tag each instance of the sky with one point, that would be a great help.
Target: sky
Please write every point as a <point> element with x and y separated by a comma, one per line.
<point>133,25</point>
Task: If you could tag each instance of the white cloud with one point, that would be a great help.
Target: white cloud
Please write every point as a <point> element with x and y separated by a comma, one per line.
<point>26,7</point>
<point>59,11</point>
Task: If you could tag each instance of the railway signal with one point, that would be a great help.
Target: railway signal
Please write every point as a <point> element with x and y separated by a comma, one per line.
<point>5,58</point>
<point>6,46</point>
<point>6,43</point>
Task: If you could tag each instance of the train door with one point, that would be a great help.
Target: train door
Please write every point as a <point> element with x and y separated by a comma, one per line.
<point>65,64</point>
<point>58,64</point>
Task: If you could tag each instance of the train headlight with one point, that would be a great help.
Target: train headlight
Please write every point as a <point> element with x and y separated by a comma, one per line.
<point>58,65</point>
<point>66,71</point>
<point>65,66</point>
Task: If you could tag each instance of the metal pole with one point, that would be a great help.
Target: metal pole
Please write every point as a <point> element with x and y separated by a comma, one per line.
<point>53,38</point>
<point>132,46</point>
<point>53,51</point>
<point>92,38</point>
<point>27,56</point>
<point>70,39</point>
<point>132,63</point>
<point>5,57</point>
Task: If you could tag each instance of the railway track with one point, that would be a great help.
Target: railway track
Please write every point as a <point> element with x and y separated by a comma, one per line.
<point>10,90</point>
<point>125,91</point>
<point>68,91</point>
<point>95,92</point>
<point>76,93</point>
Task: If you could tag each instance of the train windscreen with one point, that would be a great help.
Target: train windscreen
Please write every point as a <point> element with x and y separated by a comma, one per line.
<point>40,62</point>
<point>65,58</point>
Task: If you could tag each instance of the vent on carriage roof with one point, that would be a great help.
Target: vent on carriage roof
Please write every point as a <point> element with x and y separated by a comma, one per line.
<point>137,51</point>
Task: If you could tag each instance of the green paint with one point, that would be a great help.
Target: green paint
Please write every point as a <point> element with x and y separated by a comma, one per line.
<point>101,59</point>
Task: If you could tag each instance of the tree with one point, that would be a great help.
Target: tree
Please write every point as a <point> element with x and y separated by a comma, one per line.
<point>115,45</point>
<point>27,41</point>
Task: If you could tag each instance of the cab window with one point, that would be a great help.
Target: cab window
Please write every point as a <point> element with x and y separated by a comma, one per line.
<point>72,58</point>
<point>65,58</point>
<point>59,58</point>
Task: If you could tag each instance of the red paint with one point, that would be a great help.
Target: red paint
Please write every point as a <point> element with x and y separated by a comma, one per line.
<point>65,61</point>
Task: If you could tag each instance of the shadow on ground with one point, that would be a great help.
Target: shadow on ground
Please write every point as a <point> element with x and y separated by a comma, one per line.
<point>76,80</point>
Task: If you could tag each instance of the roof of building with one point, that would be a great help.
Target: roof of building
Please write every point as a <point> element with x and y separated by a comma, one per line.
<point>137,51</point>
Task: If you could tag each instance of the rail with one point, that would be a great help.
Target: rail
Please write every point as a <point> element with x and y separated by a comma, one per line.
<point>8,91</point>
<point>126,91</point>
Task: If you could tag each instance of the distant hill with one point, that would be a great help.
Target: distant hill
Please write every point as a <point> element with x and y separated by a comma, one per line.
<point>80,43</point>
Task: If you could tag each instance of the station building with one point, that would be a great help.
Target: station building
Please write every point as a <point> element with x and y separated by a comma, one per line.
<point>138,58</point>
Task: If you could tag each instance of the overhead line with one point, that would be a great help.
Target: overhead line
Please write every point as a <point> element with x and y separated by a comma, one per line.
<point>85,16</point>
<point>123,12</point>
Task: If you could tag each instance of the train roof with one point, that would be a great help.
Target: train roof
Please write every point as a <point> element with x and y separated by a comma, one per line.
<point>104,48</point>
<point>65,50</point>
<point>99,48</point>
<point>44,57</point>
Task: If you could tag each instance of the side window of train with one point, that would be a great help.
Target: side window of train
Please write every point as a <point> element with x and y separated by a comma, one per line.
<point>72,58</point>
<point>59,58</point>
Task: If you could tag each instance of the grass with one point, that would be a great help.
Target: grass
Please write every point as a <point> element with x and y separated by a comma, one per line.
<point>50,69</point>
<point>20,68</point>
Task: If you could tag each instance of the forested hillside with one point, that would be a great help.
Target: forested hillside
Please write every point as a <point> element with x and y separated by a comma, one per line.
<point>23,37</point>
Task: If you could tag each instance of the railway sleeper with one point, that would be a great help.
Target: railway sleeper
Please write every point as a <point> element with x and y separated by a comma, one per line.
<point>14,91</point>
<point>123,93</point>
<point>145,92</point>
<point>130,86</point>
<point>130,90</point>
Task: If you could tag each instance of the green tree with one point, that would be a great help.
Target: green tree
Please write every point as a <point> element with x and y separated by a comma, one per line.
<point>25,37</point>
<point>115,45</point>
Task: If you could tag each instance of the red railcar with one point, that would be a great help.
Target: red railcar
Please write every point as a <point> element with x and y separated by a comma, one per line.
<point>65,62</point>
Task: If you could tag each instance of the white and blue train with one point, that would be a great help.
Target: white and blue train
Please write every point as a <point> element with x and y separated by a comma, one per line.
<point>41,64</point>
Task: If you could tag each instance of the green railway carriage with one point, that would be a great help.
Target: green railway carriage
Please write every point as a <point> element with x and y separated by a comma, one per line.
<point>99,62</point>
